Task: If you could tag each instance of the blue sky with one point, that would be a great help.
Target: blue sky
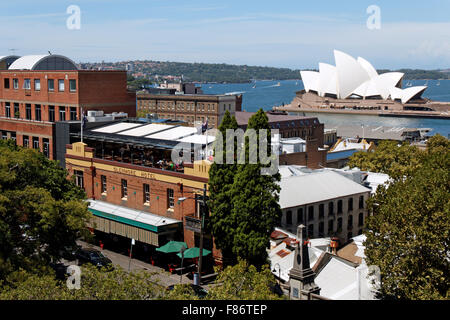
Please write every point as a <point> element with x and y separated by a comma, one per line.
<point>283,33</point>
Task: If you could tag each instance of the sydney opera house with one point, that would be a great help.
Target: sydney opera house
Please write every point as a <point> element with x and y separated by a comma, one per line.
<point>355,84</point>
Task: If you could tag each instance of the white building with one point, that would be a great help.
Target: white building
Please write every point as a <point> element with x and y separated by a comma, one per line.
<point>357,78</point>
<point>326,202</point>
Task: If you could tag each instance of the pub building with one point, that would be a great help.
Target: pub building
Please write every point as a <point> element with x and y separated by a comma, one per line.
<point>134,189</point>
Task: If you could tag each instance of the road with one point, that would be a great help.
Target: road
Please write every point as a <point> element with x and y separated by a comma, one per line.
<point>162,277</point>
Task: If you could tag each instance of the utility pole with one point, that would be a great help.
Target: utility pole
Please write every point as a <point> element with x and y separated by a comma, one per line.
<point>204,208</point>
<point>131,254</point>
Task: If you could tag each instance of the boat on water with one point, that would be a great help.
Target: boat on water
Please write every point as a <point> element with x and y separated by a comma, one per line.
<point>438,83</point>
<point>277,85</point>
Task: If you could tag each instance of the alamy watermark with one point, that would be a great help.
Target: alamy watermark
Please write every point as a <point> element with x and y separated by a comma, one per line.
<point>374,19</point>
<point>74,279</point>
<point>259,150</point>
<point>73,22</point>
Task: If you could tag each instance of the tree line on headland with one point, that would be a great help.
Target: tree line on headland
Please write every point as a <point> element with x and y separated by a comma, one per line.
<point>158,71</point>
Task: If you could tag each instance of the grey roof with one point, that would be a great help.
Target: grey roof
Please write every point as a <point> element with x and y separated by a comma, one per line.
<point>372,132</point>
<point>316,187</point>
<point>43,62</point>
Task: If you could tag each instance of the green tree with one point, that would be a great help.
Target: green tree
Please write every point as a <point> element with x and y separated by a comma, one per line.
<point>221,177</point>
<point>255,201</point>
<point>390,158</point>
<point>42,213</point>
<point>95,284</point>
<point>408,235</point>
<point>244,282</point>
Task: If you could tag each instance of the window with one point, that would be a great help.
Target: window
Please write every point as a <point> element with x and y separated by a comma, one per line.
<point>73,85</point>
<point>37,112</point>
<point>349,236</point>
<point>28,111</point>
<point>310,231</point>
<point>124,189</point>
<point>61,85</point>
<point>16,110</point>
<point>339,209</point>
<point>26,141</point>
<point>321,229</point>
<point>310,213</point>
<point>46,147</point>
<point>170,201</point>
<point>103,186</point>
<point>361,202</point>
<point>330,226</point>
<point>360,219</point>
<point>339,224</point>
<point>62,113</point>
<point>350,222</point>
<point>36,143</point>
<point>350,204</point>
<point>16,83</point>
<point>79,180</point>
<point>146,193</point>
<point>330,208</point>
<point>7,110</point>
<point>27,84</point>
<point>6,83</point>
<point>51,113</point>
<point>73,113</point>
<point>51,85</point>
<point>289,217</point>
<point>300,215</point>
<point>321,210</point>
<point>37,84</point>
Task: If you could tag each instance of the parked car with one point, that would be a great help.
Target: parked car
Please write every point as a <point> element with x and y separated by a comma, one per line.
<point>70,252</point>
<point>198,290</point>
<point>90,255</point>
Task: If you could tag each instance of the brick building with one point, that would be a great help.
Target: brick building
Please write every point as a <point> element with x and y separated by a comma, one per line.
<point>191,108</point>
<point>37,91</point>
<point>288,126</point>
<point>133,192</point>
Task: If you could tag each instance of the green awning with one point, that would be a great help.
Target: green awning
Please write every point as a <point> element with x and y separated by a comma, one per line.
<point>172,246</point>
<point>194,253</point>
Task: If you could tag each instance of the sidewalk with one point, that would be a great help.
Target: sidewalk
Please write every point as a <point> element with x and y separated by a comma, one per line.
<point>164,278</point>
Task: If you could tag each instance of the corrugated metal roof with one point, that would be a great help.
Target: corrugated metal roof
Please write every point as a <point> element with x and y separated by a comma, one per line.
<point>316,187</point>
<point>131,215</point>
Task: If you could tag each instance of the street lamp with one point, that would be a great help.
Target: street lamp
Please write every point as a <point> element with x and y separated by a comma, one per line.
<point>279,272</point>
<point>202,226</point>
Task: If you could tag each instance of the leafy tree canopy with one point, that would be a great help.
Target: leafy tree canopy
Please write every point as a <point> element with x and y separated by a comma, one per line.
<point>42,213</point>
<point>409,232</point>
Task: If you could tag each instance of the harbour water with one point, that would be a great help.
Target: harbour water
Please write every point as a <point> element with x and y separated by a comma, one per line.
<point>266,94</point>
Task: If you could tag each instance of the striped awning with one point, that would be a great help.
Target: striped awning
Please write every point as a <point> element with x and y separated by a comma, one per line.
<point>130,223</point>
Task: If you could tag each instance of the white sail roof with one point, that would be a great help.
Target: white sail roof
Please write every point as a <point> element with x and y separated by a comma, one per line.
<point>356,77</point>
<point>310,80</point>
<point>327,79</point>
<point>350,74</point>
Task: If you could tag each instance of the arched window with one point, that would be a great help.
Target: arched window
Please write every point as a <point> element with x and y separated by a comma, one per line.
<point>361,202</point>
<point>350,222</point>
<point>361,219</point>
<point>300,215</point>
<point>289,217</point>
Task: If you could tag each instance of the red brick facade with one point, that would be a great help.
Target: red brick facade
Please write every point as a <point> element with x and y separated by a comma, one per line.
<point>159,181</point>
<point>31,111</point>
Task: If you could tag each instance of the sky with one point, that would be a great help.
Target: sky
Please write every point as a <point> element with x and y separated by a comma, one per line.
<point>296,34</point>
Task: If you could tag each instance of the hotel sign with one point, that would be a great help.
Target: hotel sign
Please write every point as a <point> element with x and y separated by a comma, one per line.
<point>136,173</point>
